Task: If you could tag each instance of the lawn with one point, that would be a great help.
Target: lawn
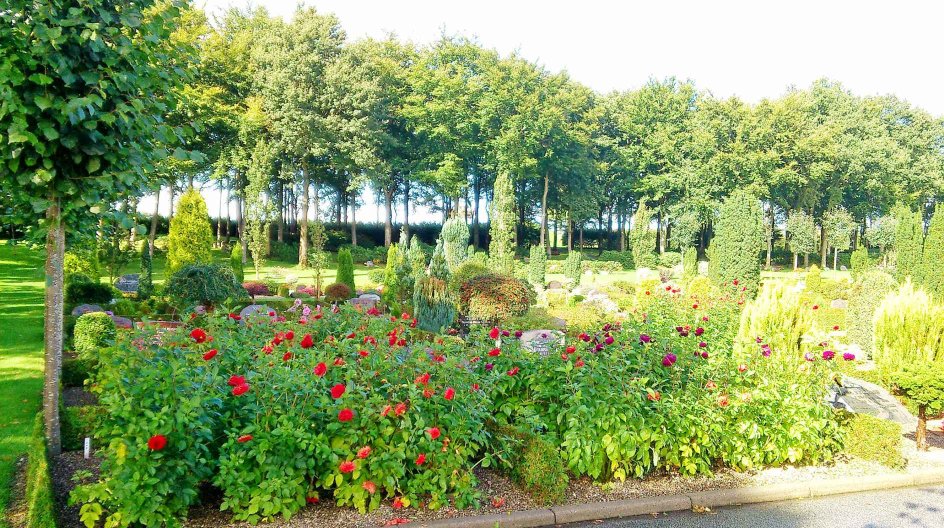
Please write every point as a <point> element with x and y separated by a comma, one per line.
<point>21,355</point>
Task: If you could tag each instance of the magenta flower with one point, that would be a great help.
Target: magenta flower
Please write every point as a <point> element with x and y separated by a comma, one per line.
<point>669,359</point>
<point>702,344</point>
<point>828,354</point>
<point>644,338</point>
<point>608,340</point>
<point>848,356</point>
<point>699,331</point>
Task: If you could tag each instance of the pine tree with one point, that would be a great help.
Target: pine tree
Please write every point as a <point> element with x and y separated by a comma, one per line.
<point>417,258</point>
<point>145,280</point>
<point>932,259</point>
<point>346,269</point>
<point>501,247</point>
<point>191,237</point>
<point>642,239</point>
<point>909,241</point>
<point>455,237</point>
<point>537,266</point>
<point>437,265</point>
<point>738,242</point>
<point>236,261</point>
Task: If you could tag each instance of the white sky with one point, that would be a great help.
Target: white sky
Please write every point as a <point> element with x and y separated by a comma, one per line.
<point>752,49</point>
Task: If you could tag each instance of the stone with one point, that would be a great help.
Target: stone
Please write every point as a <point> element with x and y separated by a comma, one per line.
<point>128,283</point>
<point>372,296</point>
<point>541,341</point>
<point>840,304</point>
<point>702,267</point>
<point>843,268</point>
<point>83,309</point>
<point>254,309</point>
<point>363,302</point>
<point>122,322</point>
<point>555,285</point>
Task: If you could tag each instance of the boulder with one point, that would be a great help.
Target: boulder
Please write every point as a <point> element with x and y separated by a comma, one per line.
<point>555,285</point>
<point>541,341</point>
<point>840,304</point>
<point>83,309</point>
<point>254,309</point>
<point>372,296</point>
<point>122,322</point>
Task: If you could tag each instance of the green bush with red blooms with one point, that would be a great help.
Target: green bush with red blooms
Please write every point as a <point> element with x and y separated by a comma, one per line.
<point>279,411</point>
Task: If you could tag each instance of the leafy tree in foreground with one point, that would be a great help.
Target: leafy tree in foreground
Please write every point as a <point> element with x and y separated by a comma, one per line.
<point>739,240</point>
<point>83,123</point>
<point>190,240</point>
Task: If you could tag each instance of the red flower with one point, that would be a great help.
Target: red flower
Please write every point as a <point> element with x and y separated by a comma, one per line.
<point>346,415</point>
<point>338,362</point>
<point>401,342</point>
<point>513,371</point>
<point>267,349</point>
<point>397,503</point>
<point>363,353</point>
<point>244,438</point>
<point>579,363</point>
<point>428,392</point>
<point>312,500</point>
<point>450,393</point>
<point>290,335</point>
<point>742,367</point>
<point>421,459</point>
<point>711,385</point>
<point>369,486</point>
<point>287,356</point>
<point>475,386</point>
<point>399,409</point>
<point>571,349</point>
<point>199,335</point>
<point>346,467</point>
<point>835,327</point>
<point>654,396</point>
<point>723,400</point>
<point>210,354</point>
<point>364,452</point>
<point>494,352</point>
<point>157,442</point>
<point>321,369</point>
<point>235,381</point>
<point>433,432</point>
<point>386,410</point>
<point>816,307</point>
<point>422,379</point>
<point>307,341</point>
<point>338,390</point>
<point>239,390</point>
<point>494,333</point>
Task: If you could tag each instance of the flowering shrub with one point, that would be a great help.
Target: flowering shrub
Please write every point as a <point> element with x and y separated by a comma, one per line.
<point>495,297</point>
<point>256,288</point>
<point>338,291</point>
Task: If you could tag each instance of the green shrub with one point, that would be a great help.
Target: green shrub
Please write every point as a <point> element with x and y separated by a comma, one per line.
<point>75,372</point>
<point>874,439</point>
<point>81,262</point>
<point>455,237</point>
<point>909,330</point>
<point>79,423</point>
<point>582,318</point>
<point>932,259</point>
<point>376,274</point>
<point>625,258</point>
<point>236,261</point>
<point>866,294</point>
<point>417,256</point>
<point>670,259</point>
<point>860,262</point>
<point>573,269</point>
<point>346,269</point>
<point>909,243</point>
<point>689,263</point>
<point>93,331</point>
<point>391,283</point>
<point>433,304</point>
<point>642,239</point>
<point>699,287</point>
<point>537,266</point>
<point>190,239</point>
<point>536,318</point>
<point>40,505</point>
<point>80,291</point>
<point>536,465</point>
<point>495,297</point>
<point>438,267</point>
<point>203,284</point>
<point>466,271</point>
<point>501,230</point>
<point>923,385</point>
<point>814,279</point>
<point>146,278</point>
<point>338,292</point>
<point>779,319</point>
<point>737,244</point>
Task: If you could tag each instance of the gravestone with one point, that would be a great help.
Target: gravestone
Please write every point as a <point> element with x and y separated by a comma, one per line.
<point>555,285</point>
<point>83,309</point>
<point>128,283</point>
<point>122,322</point>
<point>703,267</point>
<point>541,341</point>
<point>254,309</point>
<point>372,296</point>
<point>364,302</point>
<point>841,304</point>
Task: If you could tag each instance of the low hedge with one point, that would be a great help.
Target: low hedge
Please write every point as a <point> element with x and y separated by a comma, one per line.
<point>79,423</point>
<point>40,506</point>
<point>875,439</point>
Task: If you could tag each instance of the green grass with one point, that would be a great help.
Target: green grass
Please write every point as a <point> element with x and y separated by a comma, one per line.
<point>21,356</point>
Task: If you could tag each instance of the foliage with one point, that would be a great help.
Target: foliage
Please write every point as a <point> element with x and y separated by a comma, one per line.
<point>779,319</point>
<point>82,290</point>
<point>689,263</point>
<point>236,262</point>
<point>434,304</point>
<point>81,262</point>
<point>254,288</point>
<point>39,500</point>
<point>625,258</point>
<point>338,291</point>
<point>465,272</point>
<point>114,250</point>
<point>931,273</point>
<point>501,247</point>
<point>874,439</point>
<point>455,237</point>
<point>802,230</point>
<point>670,259</point>
<point>146,276</point>
<point>909,241</point>
<point>642,239</point>
<point>536,465</point>
<point>438,268</point>
<point>317,256</point>
<point>391,283</point>
<point>206,284</point>
<point>923,386</point>
<point>346,269</point>
<point>191,237</point>
<point>93,331</point>
<point>537,266</point>
<point>867,293</point>
<point>495,297</point>
<point>839,225</point>
<point>860,262</point>
<point>736,247</point>
<point>78,423</point>
<point>572,268</point>
<point>882,232</point>
<point>814,279</point>
<point>908,329</point>
<point>417,258</point>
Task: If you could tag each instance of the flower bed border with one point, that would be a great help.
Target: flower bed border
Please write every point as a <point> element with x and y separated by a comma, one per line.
<point>685,501</point>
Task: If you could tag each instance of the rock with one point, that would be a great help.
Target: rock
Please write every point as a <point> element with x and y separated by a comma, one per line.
<point>122,322</point>
<point>128,283</point>
<point>372,296</point>
<point>840,304</point>
<point>541,341</point>
<point>83,309</point>
<point>364,302</point>
<point>555,285</point>
<point>254,309</point>
<point>843,268</point>
<point>702,267</point>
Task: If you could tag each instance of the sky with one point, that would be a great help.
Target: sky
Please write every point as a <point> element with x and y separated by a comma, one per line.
<point>751,49</point>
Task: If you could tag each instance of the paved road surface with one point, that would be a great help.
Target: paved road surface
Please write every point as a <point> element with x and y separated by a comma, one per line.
<point>902,508</point>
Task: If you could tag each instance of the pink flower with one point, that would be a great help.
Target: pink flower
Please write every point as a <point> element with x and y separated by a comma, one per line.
<point>644,338</point>
<point>699,331</point>
<point>848,356</point>
<point>608,340</point>
<point>669,359</point>
<point>809,357</point>
<point>828,355</point>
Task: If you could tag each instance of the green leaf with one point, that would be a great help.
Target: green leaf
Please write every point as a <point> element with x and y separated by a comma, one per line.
<point>181,154</point>
<point>93,165</point>
<point>42,102</point>
<point>40,79</point>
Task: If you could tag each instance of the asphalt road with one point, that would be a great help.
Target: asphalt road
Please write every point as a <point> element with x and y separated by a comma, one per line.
<point>900,508</point>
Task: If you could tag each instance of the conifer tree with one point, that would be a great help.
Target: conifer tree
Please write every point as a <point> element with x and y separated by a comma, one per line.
<point>738,242</point>
<point>190,240</point>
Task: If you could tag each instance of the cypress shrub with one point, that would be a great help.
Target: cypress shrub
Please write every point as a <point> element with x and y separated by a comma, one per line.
<point>642,239</point>
<point>433,304</point>
<point>738,242</point>
<point>437,266</point>
<point>779,318</point>
<point>236,262</point>
<point>689,263</point>
<point>814,279</point>
<point>860,262</point>
<point>867,293</point>
<point>146,278</point>
<point>191,236</point>
<point>417,258</point>
<point>455,237</point>
<point>391,285</point>
<point>501,247</point>
<point>93,331</point>
<point>207,285</point>
<point>573,268</point>
<point>537,266</point>
<point>346,269</point>
<point>909,240</point>
<point>909,329</point>
<point>932,260</point>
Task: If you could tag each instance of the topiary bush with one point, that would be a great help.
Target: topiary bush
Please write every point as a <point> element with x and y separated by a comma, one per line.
<point>93,331</point>
<point>642,239</point>
<point>923,385</point>
<point>814,279</point>
<point>909,243</point>
<point>190,238</point>
<point>501,229</point>
<point>866,294</point>
<point>537,266</point>
<point>689,263</point>
<point>860,262</point>
<point>736,247</point>
<point>236,262</point>
<point>670,259</point>
<point>932,256</point>
<point>346,270</point>
<point>495,297</point>
<point>466,272</point>
<point>438,267</point>
<point>146,277</point>
<point>874,439</point>
<point>433,304</point>
<point>80,289</point>
<point>573,269</point>
<point>81,262</point>
<point>203,284</point>
<point>254,288</point>
<point>625,258</point>
<point>338,292</point>
<point>455,237</point>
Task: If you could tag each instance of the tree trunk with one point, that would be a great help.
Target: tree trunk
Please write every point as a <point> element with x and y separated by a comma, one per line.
<point>770,239</point>
<point>52,329</point>
<point>388,215</point>
<point>219,218</point>
<point>170,212</point>
<point>570,233</point>
<point>835,259</point>
<point>154,221</point>
<point>806,261</point>
<point>353,220</point>
<point>658,247</point>
<point>600,231</point>
<point>280,234</point>
<point>796,258</point>
<point>476,196</point>
<point>303,221</point>
<point>229,199</point>
<point>406,208</point>
<point>580,244</point>
<point>243,239</point>
<point>622,229</point>
<point>547,181</point>
<point>921,432</point>
<point>823,248</point>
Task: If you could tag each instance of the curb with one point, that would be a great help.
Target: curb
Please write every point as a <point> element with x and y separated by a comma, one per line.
<point>571,513</point>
